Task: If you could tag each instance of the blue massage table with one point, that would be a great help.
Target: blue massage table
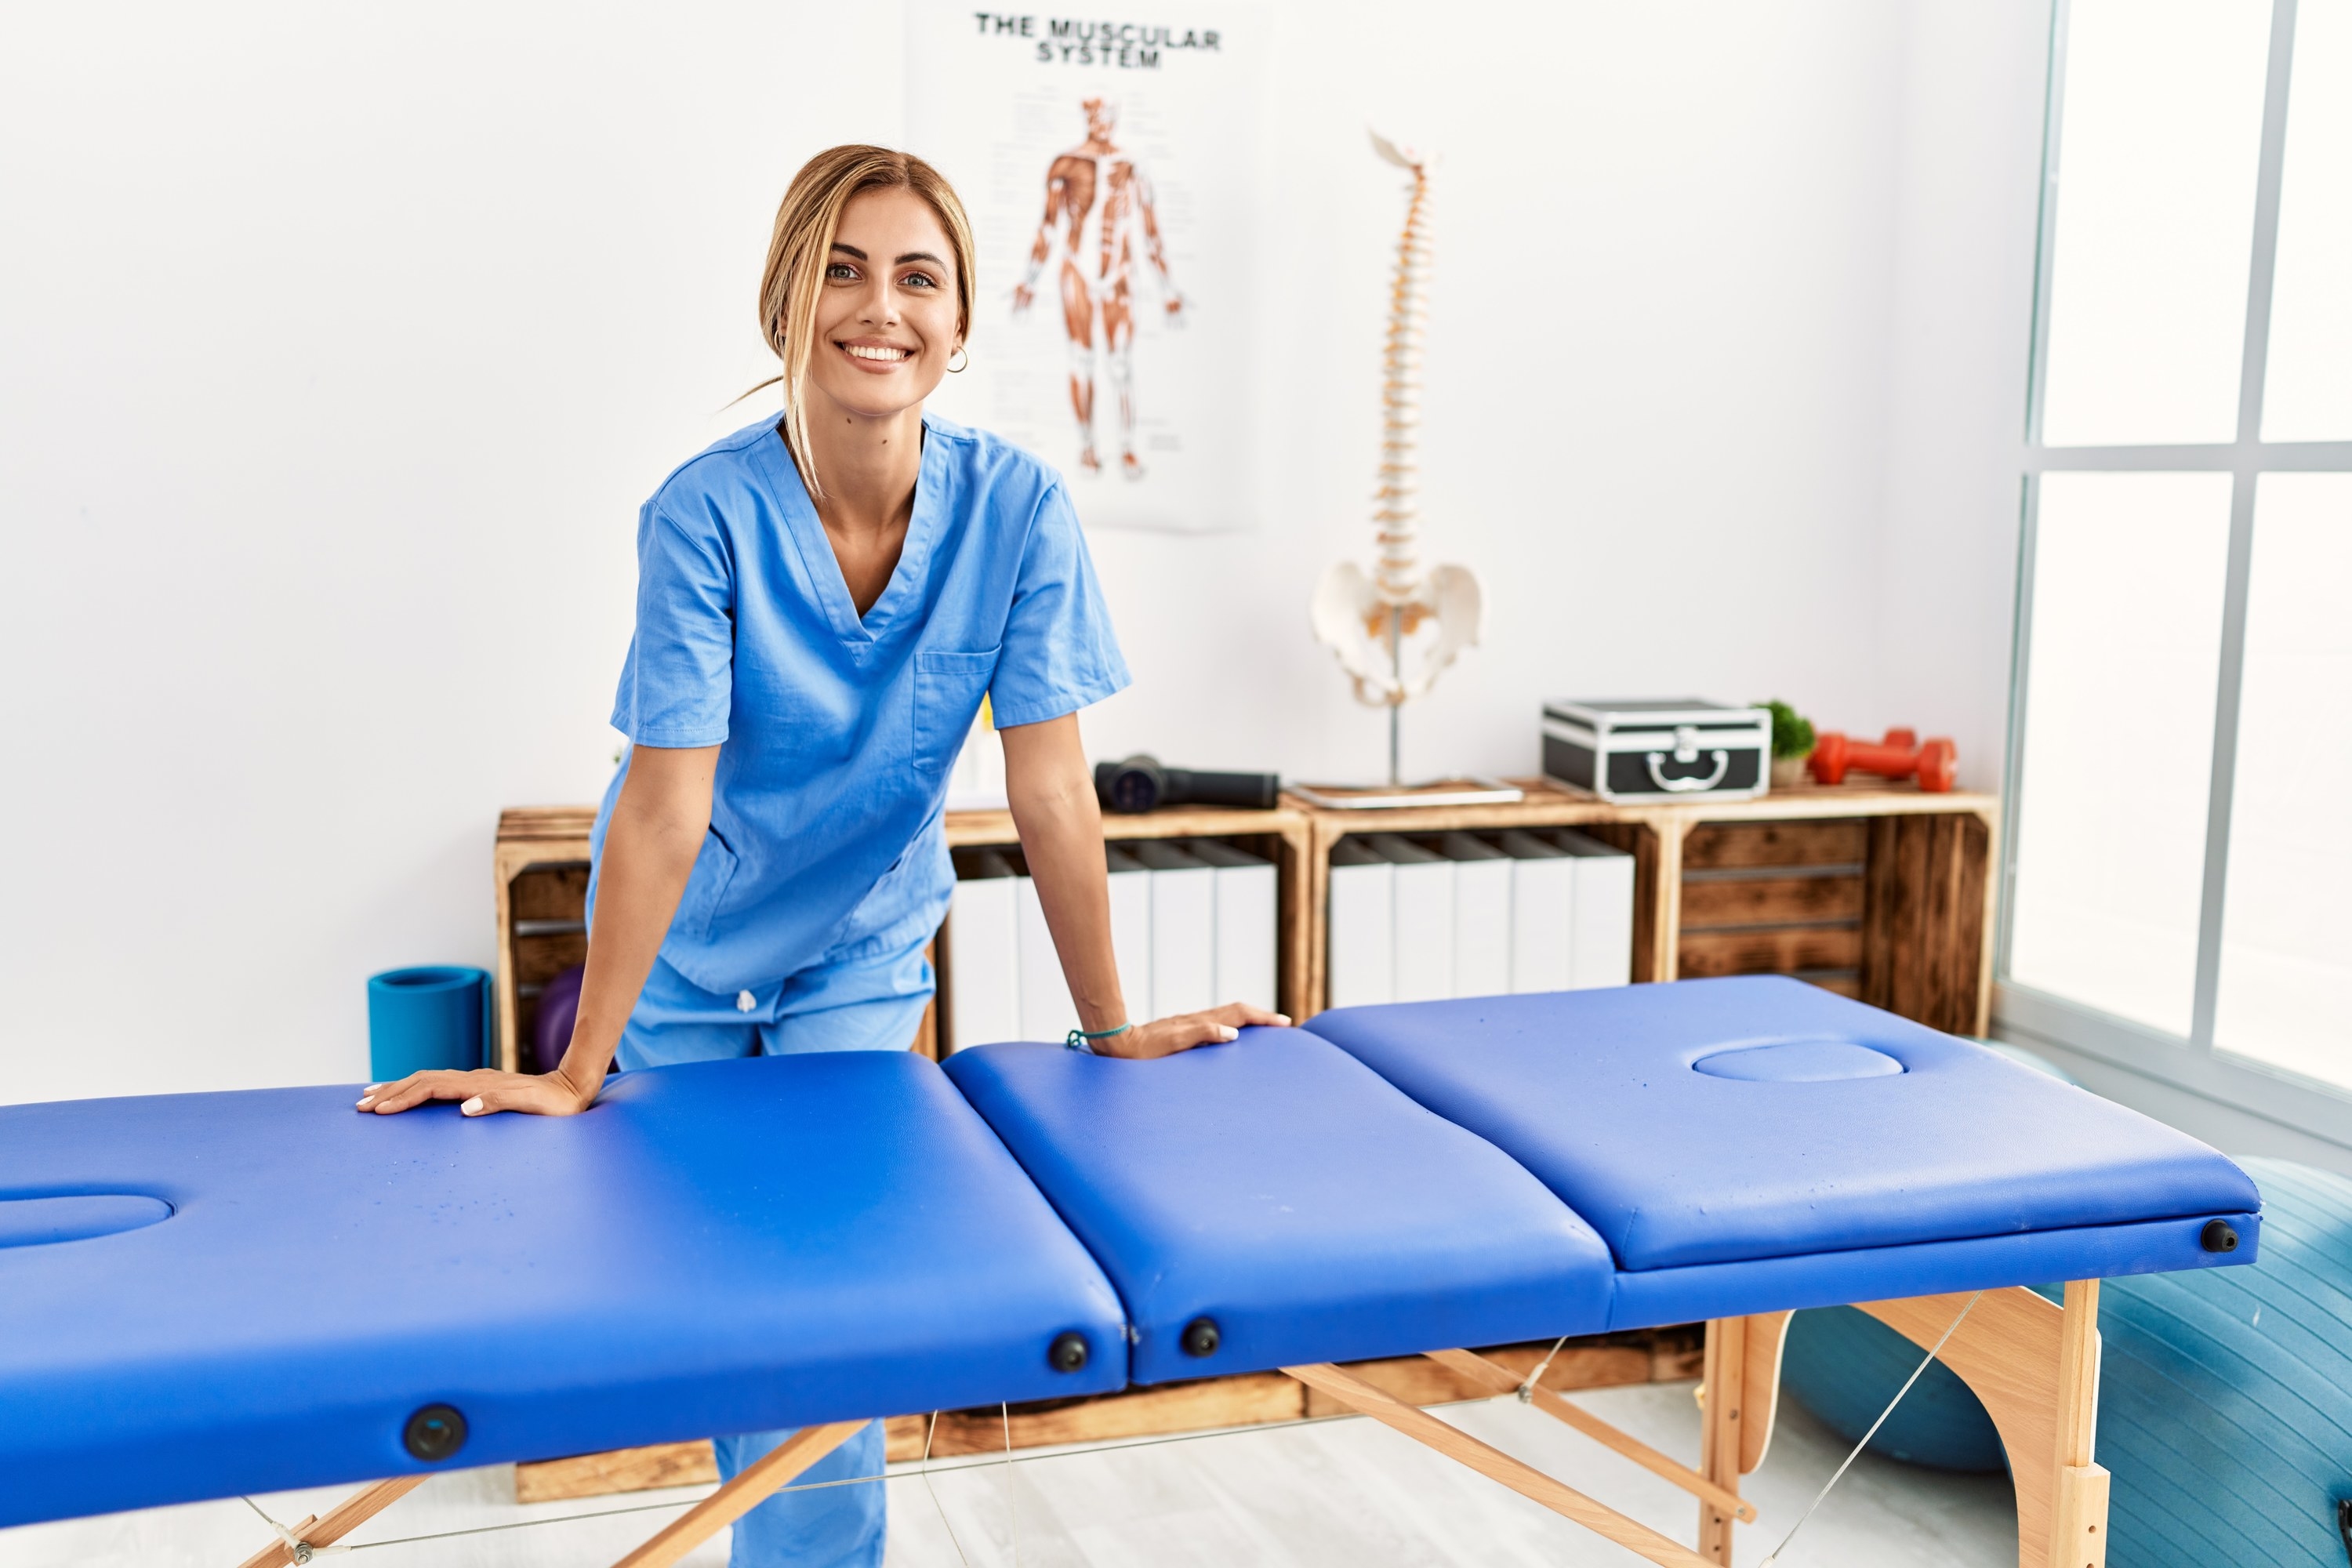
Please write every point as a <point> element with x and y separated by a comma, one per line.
<point>208,1295</point>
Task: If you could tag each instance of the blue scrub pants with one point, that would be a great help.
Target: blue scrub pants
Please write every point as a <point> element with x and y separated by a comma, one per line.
<point>850,1000</point>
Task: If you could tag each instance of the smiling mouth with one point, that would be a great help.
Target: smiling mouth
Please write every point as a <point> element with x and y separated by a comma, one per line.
<point>877,354</point>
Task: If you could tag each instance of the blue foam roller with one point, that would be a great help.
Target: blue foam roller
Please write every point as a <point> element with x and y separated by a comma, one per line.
<point>2225,1395</point>
<point>423,1019</point>
<point>1843,1365</point>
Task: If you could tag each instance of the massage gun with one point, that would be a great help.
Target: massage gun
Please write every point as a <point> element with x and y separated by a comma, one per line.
<point>1139,784</point>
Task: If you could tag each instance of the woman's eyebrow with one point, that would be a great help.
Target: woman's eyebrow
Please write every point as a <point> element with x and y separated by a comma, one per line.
<point>916,256</point>
<point>849,249</point>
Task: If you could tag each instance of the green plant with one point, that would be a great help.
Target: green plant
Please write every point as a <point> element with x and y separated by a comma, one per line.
<point>1792,733</point>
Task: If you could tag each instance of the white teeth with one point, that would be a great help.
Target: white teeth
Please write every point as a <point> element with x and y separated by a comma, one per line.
<point>860,351</point>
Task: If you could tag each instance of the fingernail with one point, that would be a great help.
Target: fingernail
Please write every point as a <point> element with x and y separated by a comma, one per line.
<point>472,1106</point>
<point>366,1101</point>
<point>1282,1019</point>
<point>1226,1034</point>
<point>372,1088</point>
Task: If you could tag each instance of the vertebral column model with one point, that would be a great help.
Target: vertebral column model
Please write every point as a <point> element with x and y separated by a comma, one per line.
<point>1098,206</point>
<point>1370,621</point>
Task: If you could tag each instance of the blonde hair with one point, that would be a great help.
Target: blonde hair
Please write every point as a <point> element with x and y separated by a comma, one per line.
<point>807,225</point>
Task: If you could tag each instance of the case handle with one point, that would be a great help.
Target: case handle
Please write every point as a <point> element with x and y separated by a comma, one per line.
<point>1695,781</point>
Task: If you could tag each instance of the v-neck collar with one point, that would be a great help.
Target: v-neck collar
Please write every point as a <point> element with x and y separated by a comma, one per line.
<point>903,591</point>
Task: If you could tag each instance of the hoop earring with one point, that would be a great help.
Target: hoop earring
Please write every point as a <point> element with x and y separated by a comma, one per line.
<point>960,369</point>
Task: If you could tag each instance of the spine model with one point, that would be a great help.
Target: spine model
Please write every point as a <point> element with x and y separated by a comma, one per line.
<point>1372,622</point>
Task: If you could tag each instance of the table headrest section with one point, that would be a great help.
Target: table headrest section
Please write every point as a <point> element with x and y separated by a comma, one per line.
<point>714,1248</point>
<point>1278,1189</point>
<point>1714,1121</point>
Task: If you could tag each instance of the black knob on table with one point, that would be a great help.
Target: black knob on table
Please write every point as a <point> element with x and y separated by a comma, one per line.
<point>2219,1235</point>
<point>1200,1337</point>
<point>434,1433</point>
<point>1069,1352</point>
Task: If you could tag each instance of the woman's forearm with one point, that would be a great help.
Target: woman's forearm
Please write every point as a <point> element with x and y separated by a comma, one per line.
<point>650,846</point>
<point>1052,795</point>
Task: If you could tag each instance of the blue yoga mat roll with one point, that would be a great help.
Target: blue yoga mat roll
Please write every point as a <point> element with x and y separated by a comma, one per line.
<point>432,1017</point>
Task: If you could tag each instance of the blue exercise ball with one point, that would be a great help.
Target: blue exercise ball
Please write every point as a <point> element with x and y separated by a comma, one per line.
<point>2225,1394</point>
<point>1843,1365</point>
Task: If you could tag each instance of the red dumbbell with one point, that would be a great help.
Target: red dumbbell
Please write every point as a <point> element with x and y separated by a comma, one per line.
<point>1898,756</point>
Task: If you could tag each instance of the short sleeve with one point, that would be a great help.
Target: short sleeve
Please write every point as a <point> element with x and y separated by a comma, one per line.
<point>678,683</point>
<point>1058,654</point>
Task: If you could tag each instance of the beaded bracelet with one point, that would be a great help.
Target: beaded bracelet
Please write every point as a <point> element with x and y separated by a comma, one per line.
<point>1082,1041</point>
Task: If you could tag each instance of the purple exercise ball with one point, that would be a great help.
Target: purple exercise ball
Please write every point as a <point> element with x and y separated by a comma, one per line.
<point>559,1007</point>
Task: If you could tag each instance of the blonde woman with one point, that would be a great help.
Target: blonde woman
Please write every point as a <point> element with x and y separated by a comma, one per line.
<point>823,600</point>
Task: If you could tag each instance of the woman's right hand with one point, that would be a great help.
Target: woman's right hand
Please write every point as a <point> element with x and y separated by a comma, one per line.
<point>481,1092</point>
<point>1166,1036</point>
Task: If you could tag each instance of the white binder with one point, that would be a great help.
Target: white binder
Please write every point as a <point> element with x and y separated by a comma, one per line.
<point>1184,928</point>
<point>1360,921</point>
<point>983,992</point>
<point>1246,940</point>
<point>1543,912</point>
<point>1424,919</point>
<point>1604,944</point>
<point>1481,915</point>
<point>1130,930</point>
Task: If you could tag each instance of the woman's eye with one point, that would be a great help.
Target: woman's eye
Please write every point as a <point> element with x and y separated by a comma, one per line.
<point>921,280</point>
<point>841,269</point>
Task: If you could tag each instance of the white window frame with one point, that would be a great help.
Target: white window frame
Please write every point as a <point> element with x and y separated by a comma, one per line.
<point>2191,1063</point>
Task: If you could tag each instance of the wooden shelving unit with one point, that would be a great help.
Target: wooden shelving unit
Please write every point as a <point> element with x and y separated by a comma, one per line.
<point>1282,834</point>
<point>1878,891</point>
<point>539,871</point>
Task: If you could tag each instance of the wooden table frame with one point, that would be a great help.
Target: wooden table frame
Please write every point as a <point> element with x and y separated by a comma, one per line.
<point>2034,1363</point>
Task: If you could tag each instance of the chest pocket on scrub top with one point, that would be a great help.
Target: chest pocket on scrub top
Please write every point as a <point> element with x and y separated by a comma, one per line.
<point>948,689</point>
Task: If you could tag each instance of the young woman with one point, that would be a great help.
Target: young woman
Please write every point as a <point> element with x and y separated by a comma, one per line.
<point>821,602</point>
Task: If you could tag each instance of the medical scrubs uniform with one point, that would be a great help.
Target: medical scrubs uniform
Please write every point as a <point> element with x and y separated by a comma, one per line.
<point>825,870</point>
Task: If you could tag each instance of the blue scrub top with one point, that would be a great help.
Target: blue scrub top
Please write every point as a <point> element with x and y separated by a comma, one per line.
<point>836,735</point>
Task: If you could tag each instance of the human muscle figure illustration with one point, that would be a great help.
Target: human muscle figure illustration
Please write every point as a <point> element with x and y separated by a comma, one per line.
<point>1098,205</point>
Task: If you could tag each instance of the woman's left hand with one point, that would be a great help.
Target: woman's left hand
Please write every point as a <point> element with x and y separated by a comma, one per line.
<point>1166,1036</point>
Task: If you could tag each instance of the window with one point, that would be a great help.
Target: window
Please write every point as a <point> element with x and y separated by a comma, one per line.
<point>2179,859</point>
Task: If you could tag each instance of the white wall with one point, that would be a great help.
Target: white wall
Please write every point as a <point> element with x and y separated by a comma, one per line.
<point>336,348</point>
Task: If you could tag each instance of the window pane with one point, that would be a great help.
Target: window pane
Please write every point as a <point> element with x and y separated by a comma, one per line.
<point>2159,143</point>
<point>2287,932</point>
<point>2118,744</point>
<point>2309,395</point>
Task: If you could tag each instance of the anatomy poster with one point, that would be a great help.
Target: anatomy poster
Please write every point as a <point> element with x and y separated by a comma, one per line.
<point>1107,165</point>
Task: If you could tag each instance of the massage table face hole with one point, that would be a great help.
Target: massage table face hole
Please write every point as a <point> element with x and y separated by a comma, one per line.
<point>1800,1061</point>
<point>77,1216</point>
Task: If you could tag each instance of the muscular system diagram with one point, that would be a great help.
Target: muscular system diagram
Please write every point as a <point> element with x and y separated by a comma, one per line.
<point>1099,214</point>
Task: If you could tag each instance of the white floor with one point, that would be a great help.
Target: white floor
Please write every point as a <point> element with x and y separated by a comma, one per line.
<point>1337,1494</point>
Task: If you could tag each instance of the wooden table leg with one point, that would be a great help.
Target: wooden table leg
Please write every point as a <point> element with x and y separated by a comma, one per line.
<point>757,1481</point>
<point>342,1519</point>
<point>2036,1368</point>
<point>1724,1390</point>
<point>2078,1529</point>
<point>1495,1465</point>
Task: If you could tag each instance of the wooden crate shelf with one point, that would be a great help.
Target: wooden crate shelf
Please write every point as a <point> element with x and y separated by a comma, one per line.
<point>1880,891</point>
<point>1280,835</point>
